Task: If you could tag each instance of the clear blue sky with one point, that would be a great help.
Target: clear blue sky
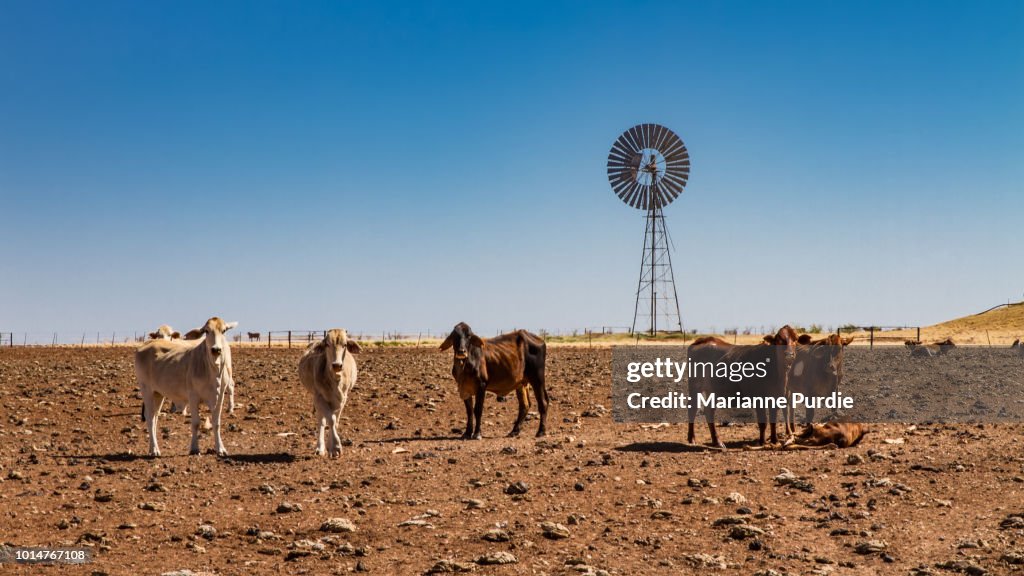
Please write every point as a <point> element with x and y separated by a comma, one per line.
<point>405,166</point>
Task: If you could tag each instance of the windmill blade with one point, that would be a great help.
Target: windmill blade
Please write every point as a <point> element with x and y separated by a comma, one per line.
<point>668,166</point>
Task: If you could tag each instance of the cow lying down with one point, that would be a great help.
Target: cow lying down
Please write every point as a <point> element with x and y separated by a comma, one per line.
<point>827,435</point>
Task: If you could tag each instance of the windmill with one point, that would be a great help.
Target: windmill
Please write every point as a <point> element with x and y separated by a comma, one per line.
<point>647,168</point>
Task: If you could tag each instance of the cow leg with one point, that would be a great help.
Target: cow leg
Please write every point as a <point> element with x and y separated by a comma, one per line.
<point>524,404</point>
<point>321,420</point>
<point>478,413</point>
<point>335,446</point>
<point>773,414</point>
<point>151,403</point>
<point>762,424</point>
<point>709,415</point>
<point>230,382</point>
<point>541,392</point>
<point>810,415</point>
<point>216,406</point>
<point>193,407</point>
<point>469,419</point>
<point>691,413</point>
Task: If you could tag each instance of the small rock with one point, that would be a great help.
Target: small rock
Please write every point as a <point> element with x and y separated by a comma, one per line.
<point>206,531</point>
<point>554,531</point>
<point>736,498</point>
<point>870,547</point>
<point>497,535</point>
<point>338,525</point>
<point>517,488</point>
<point>744,531</point>
<point>449,567</point>
<point>497,558</point>
<point>287,507</point>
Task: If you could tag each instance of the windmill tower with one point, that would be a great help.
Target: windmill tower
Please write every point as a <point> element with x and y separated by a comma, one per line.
<point>648,167</point>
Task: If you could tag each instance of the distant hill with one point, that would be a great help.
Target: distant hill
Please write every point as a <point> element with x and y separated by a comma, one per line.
<point>1000,325</point>
<point>1008,317</point>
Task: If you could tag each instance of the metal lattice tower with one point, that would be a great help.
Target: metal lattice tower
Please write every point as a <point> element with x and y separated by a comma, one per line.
<point>648,167</point>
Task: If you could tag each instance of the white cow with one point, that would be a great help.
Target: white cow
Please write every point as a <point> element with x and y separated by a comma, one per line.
<point>165,332</point>
<point>328,370</point>
<point>192,369</point>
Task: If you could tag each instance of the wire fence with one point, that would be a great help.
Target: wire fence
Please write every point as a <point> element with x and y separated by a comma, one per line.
<point>302,338</point>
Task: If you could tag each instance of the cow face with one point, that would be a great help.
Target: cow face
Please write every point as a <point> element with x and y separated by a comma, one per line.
<point>786,339</point>
<point>213,331</point>
<point>335,346</point>
<point>164,332</point>
<point>461,339</point>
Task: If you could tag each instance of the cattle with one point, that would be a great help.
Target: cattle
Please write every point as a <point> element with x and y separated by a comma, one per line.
<point>932,350</point>
<point>327,370</point>
<point>164,332</point>
<point>499,365</point>
<point>1019,346</point>
<point>196,370</point>
<point>712,341</point>
<point>253,336</point>
<point>818,368</point>
<point>777,360</point>
<point>829,434</point>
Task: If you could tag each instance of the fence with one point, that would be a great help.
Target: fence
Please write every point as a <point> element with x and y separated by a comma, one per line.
<point>878,333</point>
<point>302,338</point>
<point>289,338</point>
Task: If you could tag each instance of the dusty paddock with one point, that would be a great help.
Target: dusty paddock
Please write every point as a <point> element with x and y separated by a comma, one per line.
<point>632,500</point>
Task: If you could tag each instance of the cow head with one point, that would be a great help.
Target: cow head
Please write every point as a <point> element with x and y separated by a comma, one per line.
<point>462,338</point>
<point>786,340</point>
<point>213,331</point>
<point>335,345</point>
<point>165,332</point>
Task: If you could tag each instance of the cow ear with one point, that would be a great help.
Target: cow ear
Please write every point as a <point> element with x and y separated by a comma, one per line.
<point>230,325</point>
<point>476,340</point>
<point>195,333</point>
<point>769,339</point>
<point>448,342</point>
<point>804,339</point>
<point>353,346</point>
<point>847,341</point>
<point>176,335</point>
<point>153,335</point>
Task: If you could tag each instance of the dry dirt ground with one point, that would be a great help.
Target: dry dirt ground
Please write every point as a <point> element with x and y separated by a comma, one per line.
<point>627,499</point>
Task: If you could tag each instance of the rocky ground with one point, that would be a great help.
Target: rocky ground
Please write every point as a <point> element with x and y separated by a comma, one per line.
<point>408,497</point>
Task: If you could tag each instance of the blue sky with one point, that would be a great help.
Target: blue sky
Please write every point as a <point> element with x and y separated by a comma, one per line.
<point>405,166</point>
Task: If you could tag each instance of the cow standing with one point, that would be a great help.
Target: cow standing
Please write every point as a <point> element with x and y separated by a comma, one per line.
<point>779,357</point>
<point>499,365</point>
<point>193,370</point>
<point>328,370</point>
<point>817,369</point>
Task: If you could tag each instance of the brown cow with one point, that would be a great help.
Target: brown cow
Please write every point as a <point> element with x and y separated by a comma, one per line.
<point>498,365</point>
<point>837,434</point>
<point>818,368</point>
<point>253,336</point>
<point>777,359</point>
<point>931,350</point>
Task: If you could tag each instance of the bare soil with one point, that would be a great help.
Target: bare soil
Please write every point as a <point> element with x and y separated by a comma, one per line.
<point>632,500</point>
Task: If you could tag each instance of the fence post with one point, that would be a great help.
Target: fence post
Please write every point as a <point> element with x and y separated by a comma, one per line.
<point>918,333</point>
<point>289,339</point>
<point>871,332</point>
